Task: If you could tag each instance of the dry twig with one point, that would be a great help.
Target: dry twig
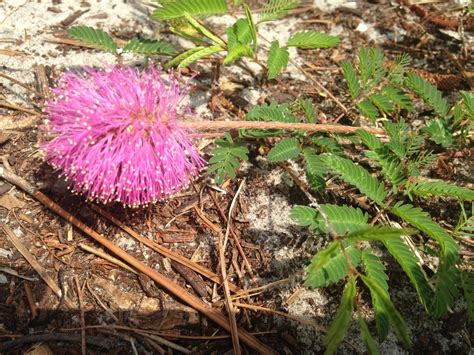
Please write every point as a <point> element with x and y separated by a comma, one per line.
<point>83,321</point>
<point>33,262</point>
<point>162,280</point>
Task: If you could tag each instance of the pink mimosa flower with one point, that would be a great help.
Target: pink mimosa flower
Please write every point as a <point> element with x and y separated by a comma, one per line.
<point>116,137</point>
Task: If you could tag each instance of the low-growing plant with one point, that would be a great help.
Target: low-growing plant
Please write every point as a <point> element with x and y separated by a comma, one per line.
<point>390,177</point>
<point>241,38</point>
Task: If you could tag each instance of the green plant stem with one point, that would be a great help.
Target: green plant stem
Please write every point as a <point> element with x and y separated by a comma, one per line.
<point>309,127</point>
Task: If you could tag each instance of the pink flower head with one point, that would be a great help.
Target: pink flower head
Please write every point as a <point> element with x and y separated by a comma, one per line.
<point>115,135</point>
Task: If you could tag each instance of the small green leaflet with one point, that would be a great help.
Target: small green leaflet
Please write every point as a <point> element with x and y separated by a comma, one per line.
<point>312,39</point>
<point>380,233</point>
<point>203,30</point>
<point>368,109</point>
<point>393,315</point>
<point>203,52</point>
<point>422,221</point>
<point>239,37</point>
<point>344,219</point>
<point>268,113</point>
<point>306,216</point>
<point>375,270</point>
<point>306,105</point>
<point>180,57</point>
<point>94,37</point>
<point>172,9</point>
<point>277,60</point>
<point>225,159</point>
<point>326,271</point>
<point>275,9</point>
<point>429,93</point>
<point>356,175</point>
<point>366,337</point>
<point>351,78</point>
<point>407,260</point>
<point>439,132</point>
<point>468,100</point>
<point>252,26</point>
<point>337,330</point>
<point>285,149</point>
<point>433,187</point>
<point>148,47</point>
<point>315,170</point>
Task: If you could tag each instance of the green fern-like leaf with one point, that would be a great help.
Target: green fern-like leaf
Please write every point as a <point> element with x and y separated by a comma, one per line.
<point>312,39</point>
<point>351,78</point>
<point>306,217</point>
<point>239,37</point>
<point>335,267</point>
<point>307,107</point>
<point>422,221</point>
<point>203,30</point>
<point>252,25</point>
<point>315,170</point>
<point>446,290</point>
<point>429,93</point>
<point>357,176</point>
<point>284,150</point>
<point>182,56</point>
<point>392,168</point>
<point>399,68</point>
<point>468,100</point>
<point>173,9</point>
<point>93,37</point>
<point>369,139</point>
<point>366,337</point>
<point>225,159</point>
<point>268,113</point>
<point>375,271</point>
<point>327,145</point>
<point>275,9</point>
<point>467,282</point>
<point>382,103</point>
<point>277,60</point>
<point>391,312</point>
<point>398,97</point>
<point>407,260</point>
<point>439,131</point>
<point>200,54</point>
<point>343,219</point>
<point>371,66</point>
<point>432,187</point>
<point>337,330</point>
<point>368,109</point>
<point>148,47</point>
<point>380,233</point>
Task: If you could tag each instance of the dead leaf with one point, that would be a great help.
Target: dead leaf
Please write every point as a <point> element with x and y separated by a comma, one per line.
<point>39,349</point>
<point>9,201</point>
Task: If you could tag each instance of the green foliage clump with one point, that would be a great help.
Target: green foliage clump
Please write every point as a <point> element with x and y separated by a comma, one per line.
<point>242,35</point>
<point>389,178</point>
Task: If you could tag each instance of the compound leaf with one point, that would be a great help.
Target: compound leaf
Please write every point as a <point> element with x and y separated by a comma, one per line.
<point>356,175</point>
<point>277,60</point>
<point>285,149</point>
<point>312,39</point>
<point>94,37</point>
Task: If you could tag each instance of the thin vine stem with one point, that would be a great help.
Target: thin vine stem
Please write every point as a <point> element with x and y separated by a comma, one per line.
<point>310,127</point>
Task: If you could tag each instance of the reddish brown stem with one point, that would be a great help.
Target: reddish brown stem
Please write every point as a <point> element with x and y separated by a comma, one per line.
<point>310,127</point>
